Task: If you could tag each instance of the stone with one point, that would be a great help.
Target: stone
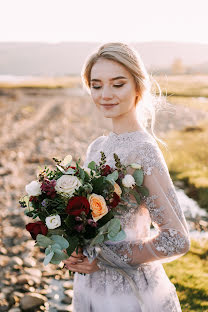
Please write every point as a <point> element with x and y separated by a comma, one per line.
<point>66,300</point>
<point>69,293</point>
<point>31,301</point>
<point>4,260</point>
<point>34,272</point>
<point>68,284</point>
<point>25,279</point>
<point>16,261</point>
<point>29,262</point>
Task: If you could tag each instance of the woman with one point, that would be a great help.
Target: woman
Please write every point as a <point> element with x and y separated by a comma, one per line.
<point>129,277</point>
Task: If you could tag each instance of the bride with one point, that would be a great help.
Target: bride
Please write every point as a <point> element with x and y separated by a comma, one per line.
<point>129,276</point>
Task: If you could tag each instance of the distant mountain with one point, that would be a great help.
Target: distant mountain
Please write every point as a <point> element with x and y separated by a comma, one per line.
<point>23,58</point>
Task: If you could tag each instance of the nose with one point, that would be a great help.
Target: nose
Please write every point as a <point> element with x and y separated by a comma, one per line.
<point>106,93</point>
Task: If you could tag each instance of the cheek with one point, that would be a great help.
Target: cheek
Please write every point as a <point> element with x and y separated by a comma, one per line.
<point>127,95</point>
<point>95,96</point>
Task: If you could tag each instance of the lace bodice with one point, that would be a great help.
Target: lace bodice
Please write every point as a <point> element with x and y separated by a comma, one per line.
<point>161,207</point>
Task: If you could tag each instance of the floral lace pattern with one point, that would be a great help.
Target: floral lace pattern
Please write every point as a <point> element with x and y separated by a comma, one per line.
<point>170,242</point>
<point>171,194</point>
<point>158,292</point>
<point>156,213</point>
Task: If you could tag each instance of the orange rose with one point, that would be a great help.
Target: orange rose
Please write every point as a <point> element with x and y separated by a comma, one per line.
<point>98,206</point>
<point>117,189</point>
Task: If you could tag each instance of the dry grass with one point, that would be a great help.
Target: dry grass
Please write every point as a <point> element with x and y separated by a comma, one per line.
<point>184,85</point>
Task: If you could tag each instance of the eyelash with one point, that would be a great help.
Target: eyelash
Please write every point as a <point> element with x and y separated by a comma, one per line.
<point>116,86</point>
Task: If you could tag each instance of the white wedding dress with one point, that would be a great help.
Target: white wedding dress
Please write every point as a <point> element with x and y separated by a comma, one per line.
<point>108,290</point>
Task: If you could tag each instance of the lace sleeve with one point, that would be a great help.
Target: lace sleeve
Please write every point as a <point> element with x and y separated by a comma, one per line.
<point>172,238</point>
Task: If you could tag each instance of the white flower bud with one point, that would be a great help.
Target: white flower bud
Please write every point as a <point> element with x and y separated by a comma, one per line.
<point>128,181</point>
<point>136,166</point>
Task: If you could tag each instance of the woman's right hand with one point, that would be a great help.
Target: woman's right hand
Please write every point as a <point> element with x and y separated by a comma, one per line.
<point>75,258</point>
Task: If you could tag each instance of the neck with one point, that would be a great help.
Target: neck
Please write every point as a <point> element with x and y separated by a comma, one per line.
<point>126,122</point>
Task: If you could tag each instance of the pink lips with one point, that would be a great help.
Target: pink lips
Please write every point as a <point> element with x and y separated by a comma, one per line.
<point>107,106</point>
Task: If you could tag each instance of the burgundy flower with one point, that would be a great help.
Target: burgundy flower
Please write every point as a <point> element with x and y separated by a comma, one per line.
<point>79,227</point>
<point>92,223</point>
<point>37,228</point>
<point>33,198</point>
<point>48,187</point>
<point>105,170</point>
<point>114,201</point>
<point>77,204</point>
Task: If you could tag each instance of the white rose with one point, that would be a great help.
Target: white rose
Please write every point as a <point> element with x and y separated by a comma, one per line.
<point>128,181</point>
<point>33,188</point>
<point>53,222</point>
<point>136,166</point>
<point>67,184</point>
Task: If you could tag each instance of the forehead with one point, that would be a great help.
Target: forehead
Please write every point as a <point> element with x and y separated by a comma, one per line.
<point>108,69</point>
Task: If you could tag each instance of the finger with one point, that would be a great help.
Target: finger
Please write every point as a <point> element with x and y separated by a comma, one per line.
<point>73,261</point>
<point>76,268</point>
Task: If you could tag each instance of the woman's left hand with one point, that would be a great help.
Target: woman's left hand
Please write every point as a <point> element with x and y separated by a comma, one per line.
<point>82,266</point>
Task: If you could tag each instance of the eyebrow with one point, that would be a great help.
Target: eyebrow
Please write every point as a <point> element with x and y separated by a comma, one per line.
<point>115,78</point>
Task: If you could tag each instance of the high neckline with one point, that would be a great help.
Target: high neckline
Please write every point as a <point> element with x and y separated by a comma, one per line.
<point>127,133</point>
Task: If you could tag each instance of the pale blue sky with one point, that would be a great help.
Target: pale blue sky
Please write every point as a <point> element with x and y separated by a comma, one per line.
<point>104,20</point>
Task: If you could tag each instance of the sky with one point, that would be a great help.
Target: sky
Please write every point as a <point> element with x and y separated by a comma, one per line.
<point>57,21</point>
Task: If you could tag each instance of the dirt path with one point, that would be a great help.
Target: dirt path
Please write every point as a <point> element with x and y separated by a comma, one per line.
<point>36,125</point>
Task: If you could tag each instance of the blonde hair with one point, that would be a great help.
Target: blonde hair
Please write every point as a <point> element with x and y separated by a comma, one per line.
<point>147,102</point>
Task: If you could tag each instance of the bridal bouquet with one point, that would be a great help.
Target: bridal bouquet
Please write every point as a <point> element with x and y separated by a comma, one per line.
<point>76,207</point>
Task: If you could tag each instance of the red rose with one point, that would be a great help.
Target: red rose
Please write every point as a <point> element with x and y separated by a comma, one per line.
<point>37,228</point>
<point>114,201</point>
<point>48,187</point>
<point>78,204</point>
<point>105,170</point>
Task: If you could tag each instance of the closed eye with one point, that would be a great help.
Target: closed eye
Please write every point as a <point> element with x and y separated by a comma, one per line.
<point>116,86</point>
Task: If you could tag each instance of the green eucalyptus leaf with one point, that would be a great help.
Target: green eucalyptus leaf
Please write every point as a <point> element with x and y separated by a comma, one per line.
<point>119,237</point>
<point>43,240</point>
<point>112,176</point>
<point>92,165</point>
<point>59,255</point>
<point>114,226</point>
<point>136,195</point>
<point>55,247</point>
<point>48,258</point>
<point>82,173</point>
<point>60,241</point>
<point>97,240</point>
<point>138,176</point>
<point>48,250</point>
<point>143,190</point>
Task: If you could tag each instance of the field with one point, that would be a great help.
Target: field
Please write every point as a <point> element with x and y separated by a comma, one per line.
<point>54,117</point>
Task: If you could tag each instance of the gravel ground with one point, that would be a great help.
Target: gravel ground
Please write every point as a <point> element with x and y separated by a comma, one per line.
<point>36,125</point>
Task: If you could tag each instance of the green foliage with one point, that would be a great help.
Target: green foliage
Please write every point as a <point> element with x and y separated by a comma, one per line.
<point>101,185</point>
<point>54,246</point>
<point>189,275</point>
<point>188,163</point>
<point>138,176</point>
<point>92,165</point>
<point>73,244</point>
<point>136,195</point>
<point>112,177</point>
<point>143,190</point>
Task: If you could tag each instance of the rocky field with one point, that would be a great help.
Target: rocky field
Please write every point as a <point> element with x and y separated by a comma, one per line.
<point>36,125</point>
